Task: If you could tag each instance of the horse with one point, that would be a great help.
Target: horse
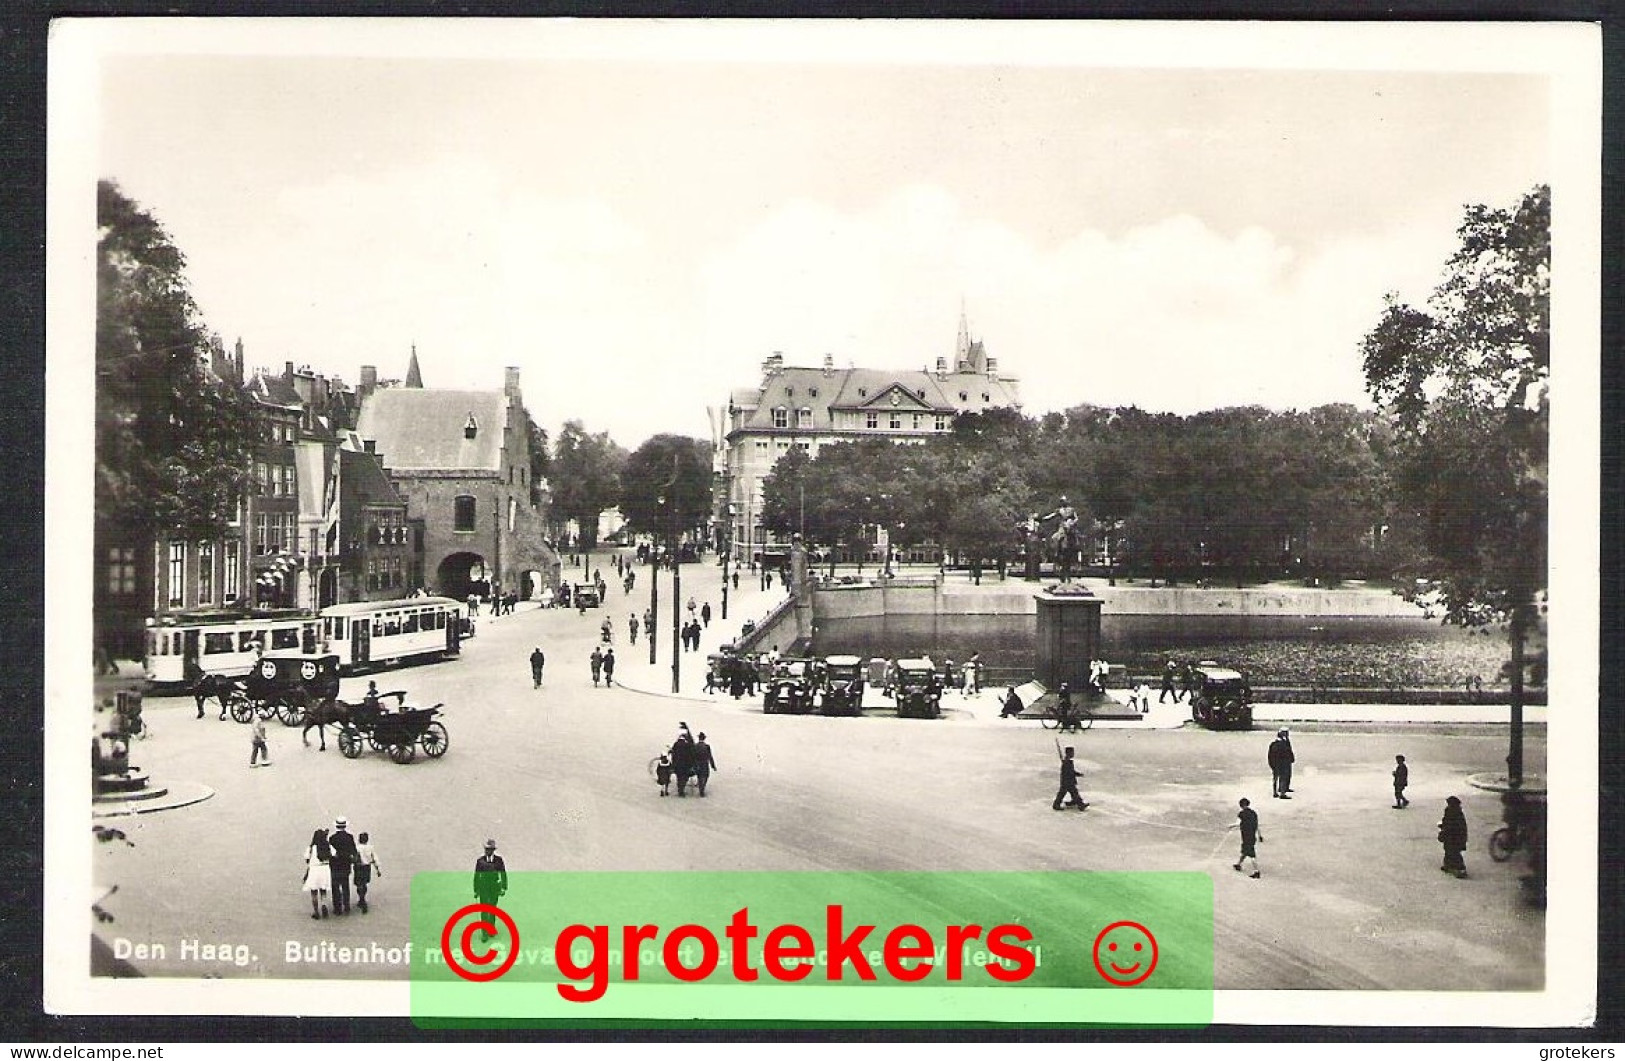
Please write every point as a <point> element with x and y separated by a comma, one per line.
<point>324,713</point>
<point>218,687</point>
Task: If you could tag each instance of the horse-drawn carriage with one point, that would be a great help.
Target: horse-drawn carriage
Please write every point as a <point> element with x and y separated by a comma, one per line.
<point>400,733</point>
<point>285,687</point>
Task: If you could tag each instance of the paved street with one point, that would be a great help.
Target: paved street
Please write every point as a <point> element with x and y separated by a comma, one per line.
<point>1351,897</point>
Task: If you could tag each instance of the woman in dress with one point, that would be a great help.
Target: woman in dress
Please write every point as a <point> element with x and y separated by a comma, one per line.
<point>317,875</point>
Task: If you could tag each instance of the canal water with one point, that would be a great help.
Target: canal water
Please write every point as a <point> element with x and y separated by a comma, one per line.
<point>1355,652</point>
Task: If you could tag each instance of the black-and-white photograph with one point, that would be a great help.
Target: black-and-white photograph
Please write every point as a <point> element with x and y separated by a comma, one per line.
<point>673,447</point>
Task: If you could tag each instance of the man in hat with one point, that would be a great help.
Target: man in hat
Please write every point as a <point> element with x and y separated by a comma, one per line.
<point>1281,760</point>
<point>1069,783</point>
<point>339,865</point>
<point>538,660</point>
<point>704,763</point>
<point>490,875</point>
<point>682,758</point>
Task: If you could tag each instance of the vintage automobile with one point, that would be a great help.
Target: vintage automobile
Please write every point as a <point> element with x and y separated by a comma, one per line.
<point>585,595</point>
<point>791,686</point>
<point>842,686</point>
<point>917,687</point>
<point>1221,697</point>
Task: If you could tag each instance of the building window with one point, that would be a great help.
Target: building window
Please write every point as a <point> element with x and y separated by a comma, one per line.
<point>896,420</point>
<point>287,480</point>
<point>121,570</point>
<point>863,392</point>
<point>177,573</point>
<point>782,445</point>
<point>805,447</point>
<point>205,573</point>
<point>513,512</point>
<point>229,586</point>
<point>985,397</point>
<point>964,397</point>
<point>781,417</point>
<point>942,422</point>
<point>872,421</point>
<point>257,543</point>
<point>916,421</point>
<point>462,508</point>
<point>761,445</point>
<point>803,417</point>
<point>812,392</point>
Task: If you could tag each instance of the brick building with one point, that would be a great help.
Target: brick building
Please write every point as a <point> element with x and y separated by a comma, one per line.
<point>461,461</point>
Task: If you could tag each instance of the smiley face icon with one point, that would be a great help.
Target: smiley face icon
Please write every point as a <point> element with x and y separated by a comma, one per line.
<point>1125,953</point>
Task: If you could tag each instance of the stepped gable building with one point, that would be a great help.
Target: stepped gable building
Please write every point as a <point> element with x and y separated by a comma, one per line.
<point>461,460</point>
<point>804,408</point>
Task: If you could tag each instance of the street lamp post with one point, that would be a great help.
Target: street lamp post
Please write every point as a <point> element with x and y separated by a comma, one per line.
<point>727,557</point>
<point>676,603</point>
<point>654,594</point>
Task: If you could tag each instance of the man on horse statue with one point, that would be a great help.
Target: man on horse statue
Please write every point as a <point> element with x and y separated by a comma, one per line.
<point>1066,542</point>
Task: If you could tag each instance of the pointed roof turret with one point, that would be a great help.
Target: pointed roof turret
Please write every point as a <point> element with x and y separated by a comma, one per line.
<point>414,375</point>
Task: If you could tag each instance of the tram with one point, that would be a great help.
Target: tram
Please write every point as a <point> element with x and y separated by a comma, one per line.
<point>224,643</point>
<point>372,633</point>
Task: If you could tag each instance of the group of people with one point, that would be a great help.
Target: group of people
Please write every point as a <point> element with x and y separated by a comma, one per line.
<point>603,666</point>
<point>688,759</point>
<point>332,861</point>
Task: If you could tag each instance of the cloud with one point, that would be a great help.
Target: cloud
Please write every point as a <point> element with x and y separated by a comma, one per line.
<point>1170,315</point>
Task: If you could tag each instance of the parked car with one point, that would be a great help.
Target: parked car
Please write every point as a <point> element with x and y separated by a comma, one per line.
<point>917,688</point>
<point>1221,699</point>
<point>790,687</point>
<point>842,685</point>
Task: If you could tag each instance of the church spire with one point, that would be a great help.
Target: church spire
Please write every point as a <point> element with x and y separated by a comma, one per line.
<point>414,375</point>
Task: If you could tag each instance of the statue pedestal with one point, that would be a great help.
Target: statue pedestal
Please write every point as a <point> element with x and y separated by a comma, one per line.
<point>1068,636</point>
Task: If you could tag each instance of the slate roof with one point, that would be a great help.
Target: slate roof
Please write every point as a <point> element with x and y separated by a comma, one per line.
<point>275,390</point>
<point>846,389</point>
<point>422,430</point>
<point>365,480</point>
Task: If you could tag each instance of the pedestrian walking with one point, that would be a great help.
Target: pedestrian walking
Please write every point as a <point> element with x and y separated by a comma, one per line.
<point>490,875</point>
<point>1169,674</point>
<point>1250,839</point>
<point>1402,777</point>
<point>682,758</point>
<point>735,578</point>
<point>1140,698</point>
<point>609,667</point>
<point>1069,783</point>
<point>597,661</point>
<point>705,614</point>
<point>663,773</point>
<point>973,674</point>
<point>317,852</point>
<point>693,608</point>
<point>632,628</point>
<point>648,622</point>
<point>340,864</point>
<point>538,660</point>
<point>1281,760</point>
<point>257,746</point>
<point>704,763</point>
<point>366,867</point>
<point>1453,837</point>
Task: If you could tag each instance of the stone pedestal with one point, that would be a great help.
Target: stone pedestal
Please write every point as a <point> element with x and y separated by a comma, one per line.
<point>801,591</point>
<point>1068,636</point>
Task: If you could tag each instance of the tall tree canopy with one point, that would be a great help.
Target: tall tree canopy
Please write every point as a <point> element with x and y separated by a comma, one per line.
<point>173,441</point>
<point>1465,381</point>
<point>652,499</point>
<point>585,477</point>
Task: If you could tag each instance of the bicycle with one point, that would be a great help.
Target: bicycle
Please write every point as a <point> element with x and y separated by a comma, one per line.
<point>1505,841</point>
<point>1075,720</point>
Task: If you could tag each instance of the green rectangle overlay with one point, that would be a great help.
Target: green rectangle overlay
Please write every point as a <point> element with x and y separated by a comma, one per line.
<point>1099,949</point>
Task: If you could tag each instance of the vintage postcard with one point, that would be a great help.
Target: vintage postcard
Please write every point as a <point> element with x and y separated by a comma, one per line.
<point>804,521</point>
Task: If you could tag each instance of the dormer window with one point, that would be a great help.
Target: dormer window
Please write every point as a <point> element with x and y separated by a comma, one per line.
<point>985,397</point>
<point>781,417</point>
<point>803,417</point>
<point>863,392</point>
<point>964,397</point>
<point>812,392</point>
<point>471,428</point>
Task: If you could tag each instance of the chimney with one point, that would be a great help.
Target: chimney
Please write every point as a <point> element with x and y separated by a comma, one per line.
<point>942,367</point>
<point>992,368</point>
<point>829,364</point>
<point>510,383</point>
<point>287,371</point>
<point>369,380</point>
<point>369,445</point>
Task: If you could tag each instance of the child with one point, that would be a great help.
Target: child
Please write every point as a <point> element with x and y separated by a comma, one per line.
<point>1402,777</point>
<point>663,773</point>
<point>366,864</point>
<point>258,746</point>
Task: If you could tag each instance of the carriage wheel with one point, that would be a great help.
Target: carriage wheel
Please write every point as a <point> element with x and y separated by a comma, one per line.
<point>377,745</point>
<point>403,753</point>
<point>435,740</point>
<point>265,709</point>
<point>241,709</point>
<point>350,742</point>
<point>290,712</point>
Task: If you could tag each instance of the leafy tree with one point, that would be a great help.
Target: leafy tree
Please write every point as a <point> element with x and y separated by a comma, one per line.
<point>541,460</point>
<point>652,500</point>
<point>174,443</point>
<point>585,477</point>
<point>1465,382</point>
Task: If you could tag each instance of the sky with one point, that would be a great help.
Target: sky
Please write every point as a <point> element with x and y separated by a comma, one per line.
<point>637,228</point>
